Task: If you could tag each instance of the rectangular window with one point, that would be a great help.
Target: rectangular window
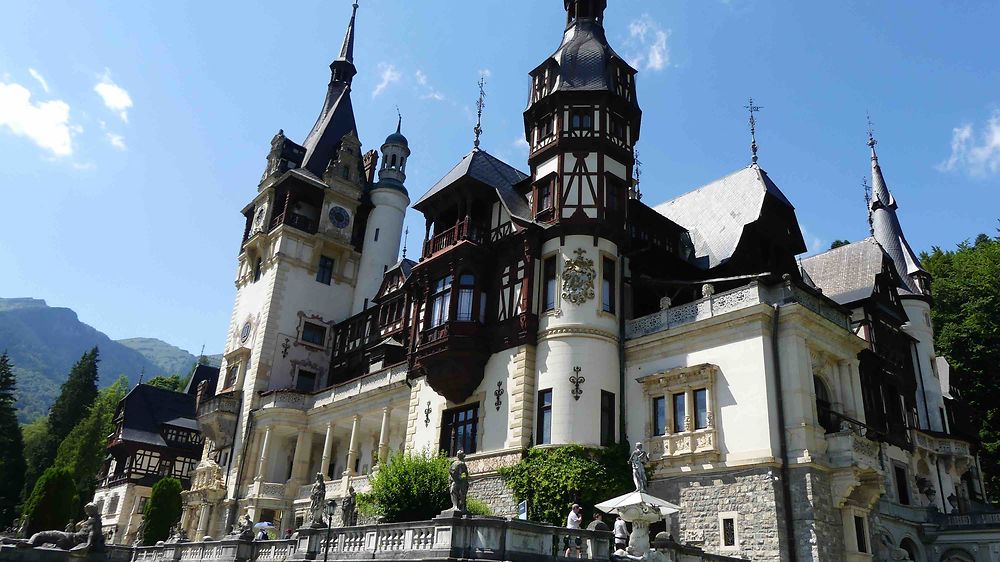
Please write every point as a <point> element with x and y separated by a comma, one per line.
<point>729,532</point>
<point>902,490</point>
<point>466,290</point>
<point>610,197</point>
<point>325,272</point>
<point>549,283</point>
<point>441,301</point>
<point>545,127</point>
<point>608,285</point>
<point>701,408</point>
<point>607,418</point>
<point>544,433</point>
<point>256,270</point>
<point>231,373</point>
<point>459,428</point>
<point>659,415</point>
<point>582,120</point>
<point>376,234</point>
<point>545,195</point>
<point>313,333</point>
<point>306,381</point>
<point>678,412</point>
<point>859,534</point>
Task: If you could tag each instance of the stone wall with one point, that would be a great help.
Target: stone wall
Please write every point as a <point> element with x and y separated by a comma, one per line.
<point>819,533</point>
<point>495,492</point>
<point>754,494</point>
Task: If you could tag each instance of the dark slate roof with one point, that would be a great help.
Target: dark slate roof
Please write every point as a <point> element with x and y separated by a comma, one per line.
<point>716,214</point>
<point>206,373</point>
<point>584,59</point>
<point>334,122</point>
<point>847,274</point>
<point>145,409</point>
<point>485,168</point>
<point>887,230</point>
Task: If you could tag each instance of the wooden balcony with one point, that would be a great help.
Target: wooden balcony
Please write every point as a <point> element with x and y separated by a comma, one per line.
<point>297,221</point>
<point>463,231</point>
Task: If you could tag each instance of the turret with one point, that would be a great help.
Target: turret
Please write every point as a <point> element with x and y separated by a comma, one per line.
<point>383,232</point>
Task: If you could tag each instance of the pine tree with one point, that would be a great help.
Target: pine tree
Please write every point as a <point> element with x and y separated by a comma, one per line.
<point>52,502</point>
<point>83,451</point>
<point>11,446</point>
<point>163,510</point>
<point>75,397</point>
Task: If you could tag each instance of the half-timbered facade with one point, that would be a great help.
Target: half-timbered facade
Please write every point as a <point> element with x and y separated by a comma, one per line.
<point>554,306</point>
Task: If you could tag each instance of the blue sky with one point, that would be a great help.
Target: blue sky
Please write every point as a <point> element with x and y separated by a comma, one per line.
<point>131,133</point>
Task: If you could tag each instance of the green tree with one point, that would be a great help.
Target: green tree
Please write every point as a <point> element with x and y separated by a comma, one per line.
<point>551,480</point>
<point>11,446</point>
<point>408,487</point>
<point>173,382</point>
<point>52,502</point>
<point>838,243</point>
<point>75,397</point>
<point>966,316</point>
<point>84,449</point>
<point>36,439</point>
<point>163,510</point>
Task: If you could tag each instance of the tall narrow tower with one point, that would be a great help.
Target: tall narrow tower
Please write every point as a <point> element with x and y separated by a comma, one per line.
<point>581,123</point>
<point>385,223</point>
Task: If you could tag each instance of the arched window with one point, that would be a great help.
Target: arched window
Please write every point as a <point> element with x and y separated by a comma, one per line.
<point>910,547</point>
<point>827,419</point>
<point>466,291</point>
<point>393,164</point>
<point>345,173</point>
<point>402,163</point>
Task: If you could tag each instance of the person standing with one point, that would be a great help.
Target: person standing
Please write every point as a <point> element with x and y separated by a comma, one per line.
<point>598,523</point>
<point>573,521</point>
<point>621,533</point>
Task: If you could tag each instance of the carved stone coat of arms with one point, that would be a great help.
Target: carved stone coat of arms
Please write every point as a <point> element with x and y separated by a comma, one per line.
<point>578,278</point>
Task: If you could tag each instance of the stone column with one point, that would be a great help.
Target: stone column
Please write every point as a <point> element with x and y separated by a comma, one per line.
<point>203,521</point>
<point>300,461</point>
<point>352,451</point>
<point>383,436</point>
<point>265,445</point>
<point>324,463</point>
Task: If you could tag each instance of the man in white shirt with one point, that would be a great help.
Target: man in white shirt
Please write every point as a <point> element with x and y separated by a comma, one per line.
<point>621,533</point>
<point>573,521</point>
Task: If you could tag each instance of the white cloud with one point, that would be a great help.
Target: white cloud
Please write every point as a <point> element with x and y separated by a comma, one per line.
<point>648,41</point>
<point>433,95</point>
<point>485,72</point>
<point>814,243</point>
<point>114,96</point>
<point>421,78</point>
<point>430,92</point>
<point>520,144</point>
<point>37,76</point>
<point>979,157</point>
<point>116,141</point>
<point>45,123</point>
<point>389,76</point>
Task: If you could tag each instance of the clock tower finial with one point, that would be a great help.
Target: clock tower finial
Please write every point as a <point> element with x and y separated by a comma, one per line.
<point>480,104</point>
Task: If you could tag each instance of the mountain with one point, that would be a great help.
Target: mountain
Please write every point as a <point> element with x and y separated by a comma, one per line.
<point>44,342</point>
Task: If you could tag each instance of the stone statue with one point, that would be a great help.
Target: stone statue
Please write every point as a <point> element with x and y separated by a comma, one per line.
<point>317,502</point>
<point>348,508</point>
<point>638,461</point>
<point>243,529</point>
<point>71,526</point>
<point>140,534</point>
<point>89,537</point>
<point>459,486</point>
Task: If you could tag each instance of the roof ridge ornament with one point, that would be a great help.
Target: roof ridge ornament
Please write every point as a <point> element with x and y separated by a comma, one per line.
<point>480,104</point>
<point>399,123</point>
<point>753,130</point>
<point>871,137</point>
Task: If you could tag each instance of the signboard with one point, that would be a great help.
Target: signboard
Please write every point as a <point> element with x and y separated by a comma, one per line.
<point>522,510</point>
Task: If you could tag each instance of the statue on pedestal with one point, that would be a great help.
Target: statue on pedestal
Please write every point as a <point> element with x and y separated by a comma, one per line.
<point>348,508</point>
<point>89,537</point>
<point>317,502</point>
<point>638,460</point>
<point>459,486</point>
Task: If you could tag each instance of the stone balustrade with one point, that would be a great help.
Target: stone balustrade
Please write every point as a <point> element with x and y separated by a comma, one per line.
<point>295,400</point>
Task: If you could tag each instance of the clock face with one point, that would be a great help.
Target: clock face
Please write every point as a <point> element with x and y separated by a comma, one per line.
<point>339,217</point>
<point>259,219</point>
<point>245,332</point>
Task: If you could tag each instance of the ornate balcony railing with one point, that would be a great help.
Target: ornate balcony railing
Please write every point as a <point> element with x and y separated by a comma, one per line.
<point>464,230</point>
<point>735,299</point>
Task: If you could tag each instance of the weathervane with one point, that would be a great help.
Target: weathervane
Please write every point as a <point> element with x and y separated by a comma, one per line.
<point>753,129</point>
<point>480,104</point>
<point>871,134</point>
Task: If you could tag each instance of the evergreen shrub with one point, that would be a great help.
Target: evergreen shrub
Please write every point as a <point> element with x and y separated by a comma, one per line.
<point>163,510</point>
<point>52,502</point>
<point>408,487</point>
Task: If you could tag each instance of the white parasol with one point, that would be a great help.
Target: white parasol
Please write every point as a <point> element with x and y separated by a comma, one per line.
<point>637,500</point>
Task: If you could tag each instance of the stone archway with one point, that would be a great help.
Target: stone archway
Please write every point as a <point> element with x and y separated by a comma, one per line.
<point>910,548</point>
<point>957,555</point>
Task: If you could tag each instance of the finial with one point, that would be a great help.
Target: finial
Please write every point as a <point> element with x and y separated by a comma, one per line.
<point>399,123</point>
<point>480,104</point>
<point>406,235</point>
<point>637,173</point>
<point>142,373</point>
<point>871,136</point>
<point>753,130</point>
<point>868,205</point>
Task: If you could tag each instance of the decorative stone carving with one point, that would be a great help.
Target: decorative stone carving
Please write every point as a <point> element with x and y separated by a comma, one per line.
<point>317,502</point>
<point>89,537</point>
<point>458,474</point>
<point>578,278</point>
<point>707,290</point>
<point>638,461</point>
<point>665,303</point>
<point>348,509</point>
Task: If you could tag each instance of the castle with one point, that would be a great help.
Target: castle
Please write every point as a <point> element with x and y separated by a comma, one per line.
<point>795,410</point>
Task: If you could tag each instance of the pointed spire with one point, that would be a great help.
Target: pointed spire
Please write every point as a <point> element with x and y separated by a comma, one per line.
<point>753,130</point>
<point>347,50</point>
<point>406,236</point>
<point>399,123</point>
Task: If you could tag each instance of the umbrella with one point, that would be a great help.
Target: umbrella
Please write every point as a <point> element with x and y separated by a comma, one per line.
<point>264,525</point>
<point>637,499</point>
